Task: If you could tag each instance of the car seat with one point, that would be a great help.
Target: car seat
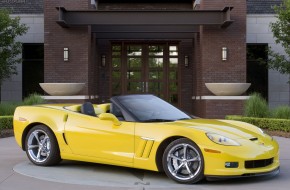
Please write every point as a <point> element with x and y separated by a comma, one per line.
<point>87,108</point>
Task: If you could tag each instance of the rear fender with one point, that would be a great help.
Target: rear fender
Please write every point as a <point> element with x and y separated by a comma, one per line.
<point>29,116</point>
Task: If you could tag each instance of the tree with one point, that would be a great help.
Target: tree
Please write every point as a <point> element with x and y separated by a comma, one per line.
<point>10,49</point>
<point>281,32</point>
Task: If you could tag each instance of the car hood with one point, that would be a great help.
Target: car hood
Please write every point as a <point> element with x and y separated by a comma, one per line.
<point>228,128</point>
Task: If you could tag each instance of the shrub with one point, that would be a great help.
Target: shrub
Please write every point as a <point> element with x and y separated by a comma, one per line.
<point>6,122</point>
<point>33,99</point>
<point>265,123</point>
<point>8,108</point>
<point>281,112</point>
<point>256,106</point>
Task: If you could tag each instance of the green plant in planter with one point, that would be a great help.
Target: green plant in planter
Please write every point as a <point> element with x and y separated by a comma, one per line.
<point>8,108</point>
<point>33,99</point>
<point>281,112</point>
<point>256,106</point>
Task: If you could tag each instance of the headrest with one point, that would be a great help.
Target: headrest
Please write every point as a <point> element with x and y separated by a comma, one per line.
<point>87,108</point>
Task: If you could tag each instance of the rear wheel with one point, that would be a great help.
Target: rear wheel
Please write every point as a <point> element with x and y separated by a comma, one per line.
<point>41,146</point>
<point>183,161</point>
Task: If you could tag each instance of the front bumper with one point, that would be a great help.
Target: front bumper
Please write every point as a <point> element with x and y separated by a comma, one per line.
<point>270,173</point>
<point>248,159</point>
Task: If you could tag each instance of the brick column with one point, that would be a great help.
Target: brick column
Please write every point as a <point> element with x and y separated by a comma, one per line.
<point>212,68</point>
<point>78,40</point>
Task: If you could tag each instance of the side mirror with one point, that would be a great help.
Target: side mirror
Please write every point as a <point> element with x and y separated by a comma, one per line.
<point>110,117</point>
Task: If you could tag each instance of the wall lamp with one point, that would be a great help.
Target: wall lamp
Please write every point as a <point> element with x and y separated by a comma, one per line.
<point>224,53</point>
<point>186,63</point>
<point>103,60</point>
<point>65,54</point>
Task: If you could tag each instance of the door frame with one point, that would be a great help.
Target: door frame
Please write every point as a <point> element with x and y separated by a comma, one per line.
<point>123,69</point>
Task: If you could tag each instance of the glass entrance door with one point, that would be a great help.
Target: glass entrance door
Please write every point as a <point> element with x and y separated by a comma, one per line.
<point>145,68</point>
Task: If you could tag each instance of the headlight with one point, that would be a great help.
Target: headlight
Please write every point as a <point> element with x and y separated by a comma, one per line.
<point>219,139</point>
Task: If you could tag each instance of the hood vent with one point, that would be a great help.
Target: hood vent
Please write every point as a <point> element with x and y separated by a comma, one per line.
<point>254,139</point>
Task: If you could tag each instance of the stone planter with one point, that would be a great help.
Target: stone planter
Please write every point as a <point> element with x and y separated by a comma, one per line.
<point>227,89</point>
<point>62,89</point>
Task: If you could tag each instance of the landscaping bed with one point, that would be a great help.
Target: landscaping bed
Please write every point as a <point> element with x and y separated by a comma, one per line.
<point>7,110</point>
<point>271,124</point>
<point>278,133</point>
<point>273,127</point>
<point>275,122</point>
<point>6,126</point>
<point>6,133</point>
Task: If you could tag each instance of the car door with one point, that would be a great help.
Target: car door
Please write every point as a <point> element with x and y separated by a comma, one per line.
<point>92,137</point>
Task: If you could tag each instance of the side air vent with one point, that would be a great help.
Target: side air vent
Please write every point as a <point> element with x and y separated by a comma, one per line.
<point>63,135</point>
<point>144,147</point>
<point>254,139</point>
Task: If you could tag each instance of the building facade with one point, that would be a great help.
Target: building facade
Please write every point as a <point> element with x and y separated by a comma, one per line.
<point>145,46</point>
<point>169,48</point>
<point>259,16</point>
<point>30,72</point>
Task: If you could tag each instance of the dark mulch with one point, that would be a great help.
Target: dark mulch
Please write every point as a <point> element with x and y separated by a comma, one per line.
<point>9,133</point>
<point>278,133</point>
<point>6,133</point>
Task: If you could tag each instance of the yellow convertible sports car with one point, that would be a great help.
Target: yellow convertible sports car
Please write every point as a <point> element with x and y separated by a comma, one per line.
<point>143,131</point>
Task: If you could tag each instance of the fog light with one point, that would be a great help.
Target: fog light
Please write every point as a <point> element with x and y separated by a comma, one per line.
<point>232,164</point>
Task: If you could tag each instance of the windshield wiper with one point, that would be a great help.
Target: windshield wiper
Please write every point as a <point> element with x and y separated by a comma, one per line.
<point>158,120</point>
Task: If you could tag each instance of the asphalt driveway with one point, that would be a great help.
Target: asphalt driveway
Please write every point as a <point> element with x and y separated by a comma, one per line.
<point>17,173</point>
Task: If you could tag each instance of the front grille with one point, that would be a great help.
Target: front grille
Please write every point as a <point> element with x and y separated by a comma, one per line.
<point>258,163</point>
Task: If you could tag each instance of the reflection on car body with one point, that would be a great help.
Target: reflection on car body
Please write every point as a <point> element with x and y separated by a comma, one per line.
<point>143,131</point>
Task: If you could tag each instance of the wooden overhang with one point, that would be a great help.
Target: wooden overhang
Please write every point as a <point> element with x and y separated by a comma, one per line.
<point>76,18</point>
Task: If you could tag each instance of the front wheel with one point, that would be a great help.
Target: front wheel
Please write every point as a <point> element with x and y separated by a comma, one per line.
<point>41,146</point>
<point>183,161</point>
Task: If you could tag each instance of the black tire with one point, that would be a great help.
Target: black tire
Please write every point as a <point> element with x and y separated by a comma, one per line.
<point>41,146</point>
<point>188,169</point>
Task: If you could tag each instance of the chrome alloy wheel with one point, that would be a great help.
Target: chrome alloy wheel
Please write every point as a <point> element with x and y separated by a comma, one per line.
<point>39,146</point>
<point>184,162</point>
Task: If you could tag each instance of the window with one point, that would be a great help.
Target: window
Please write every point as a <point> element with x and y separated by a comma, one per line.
<point>32,68</point>
<point>257,72</point>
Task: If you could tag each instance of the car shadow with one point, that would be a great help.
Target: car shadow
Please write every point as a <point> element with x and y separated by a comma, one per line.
<point>145,175</point>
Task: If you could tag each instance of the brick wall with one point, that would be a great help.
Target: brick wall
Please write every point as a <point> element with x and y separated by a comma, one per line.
<point>185,75</point>
<point>204,66</point>
<point>209,65</point>
<point>78,40</point>
<point>103,76</point>
<point>213,39</point>
<point>218,109</point>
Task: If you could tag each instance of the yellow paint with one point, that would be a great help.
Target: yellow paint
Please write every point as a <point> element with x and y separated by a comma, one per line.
<point>135,145</point>
<point>141,148</point>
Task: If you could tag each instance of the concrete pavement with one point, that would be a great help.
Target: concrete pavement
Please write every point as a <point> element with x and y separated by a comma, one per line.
<point>16,172</point>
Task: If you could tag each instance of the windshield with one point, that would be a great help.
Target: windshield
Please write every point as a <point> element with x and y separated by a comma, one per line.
<point>149,108</point>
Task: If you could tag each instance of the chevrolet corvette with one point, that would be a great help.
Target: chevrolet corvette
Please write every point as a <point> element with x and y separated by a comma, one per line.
<point>145,132</point>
